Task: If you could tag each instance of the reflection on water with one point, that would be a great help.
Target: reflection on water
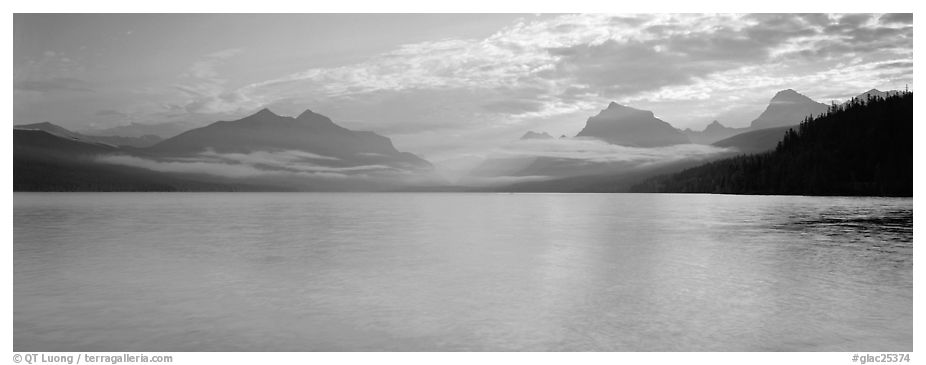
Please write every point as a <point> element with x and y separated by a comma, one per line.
<point>583,272</point>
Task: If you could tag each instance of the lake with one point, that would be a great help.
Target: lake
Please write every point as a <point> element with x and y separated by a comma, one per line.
<point>461,272</point>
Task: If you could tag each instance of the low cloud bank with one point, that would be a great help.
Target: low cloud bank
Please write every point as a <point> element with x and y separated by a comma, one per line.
<point>296,164</point>
<point>597,151</point>
<point>208,167</point>
<point>538,160</point>
<point>513,163</point>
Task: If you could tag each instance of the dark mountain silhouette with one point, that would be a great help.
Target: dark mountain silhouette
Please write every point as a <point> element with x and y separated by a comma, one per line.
<point>261,152</point>
<point>627,126</point>
<point>52,144</point>
<point>57,130</point>
<point>754,141</point>
<point>712,133</point>
<point>858,148</point>
<point>46,162</point>
<point>53,129</point>
<point>139,142</point>
<point>309,132</point>
<point>535,135</point>
<point>787,107</point>
<point>161,130</point>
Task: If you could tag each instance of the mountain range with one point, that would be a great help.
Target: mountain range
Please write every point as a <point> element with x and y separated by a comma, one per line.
<point>263,151</point>
<point>51,128</point>
<point>863,147</point>
<point>617,148</point>
<point>712,133</point>
<point>629,127</point>
<point>161,130</point>
<point>761,139</point>
<point>786,108</point>
<point>329,144</point>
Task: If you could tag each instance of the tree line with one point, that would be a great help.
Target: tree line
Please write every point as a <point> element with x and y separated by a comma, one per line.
<point>862,147</point>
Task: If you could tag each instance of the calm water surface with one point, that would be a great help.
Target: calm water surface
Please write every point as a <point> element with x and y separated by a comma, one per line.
<point>418,272</point>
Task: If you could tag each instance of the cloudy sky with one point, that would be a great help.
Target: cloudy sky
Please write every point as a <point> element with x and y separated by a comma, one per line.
<point>445,85</point>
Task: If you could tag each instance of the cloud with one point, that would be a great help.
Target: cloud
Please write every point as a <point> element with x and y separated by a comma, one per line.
<point>186,167</point>
<point>254,164</point>
<point>206,67</point>
<point>55,84</point>
<point>596,151</point>
<point>290,169</point>
<point>204,91</point>
<point>556,66</point>
<point>265,157</point>
<point>110,113</point>
<point>537,160</point>
<point>901,18</point>
<point>896,64</point>
<point>297,161</point>
<point>595,48</point>
<point>513,106</point>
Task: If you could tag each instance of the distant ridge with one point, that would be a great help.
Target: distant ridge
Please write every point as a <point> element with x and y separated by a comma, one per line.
<point>787,107</point>
<point>754,141</point>
<point>43,161</point>
<point>309,132</point>
<point>536,135</point>
<point>261,152</point>
<point>626,126</point>
<point>713,132</point>
<point>873,93</point>
<point>160,130</point>
<point>143,141</point>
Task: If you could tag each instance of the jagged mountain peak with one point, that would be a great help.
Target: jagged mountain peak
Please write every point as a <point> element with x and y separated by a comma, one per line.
<point>790,96</point>
<point>627,126</point>
<point>265,112</point>
<point>714,125</point>
<point>787,107</point>
<point>308,113</point>
<point>308,116</point>
<point>615,110</point>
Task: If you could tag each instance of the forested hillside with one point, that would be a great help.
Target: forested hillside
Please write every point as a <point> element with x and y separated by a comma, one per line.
<point>863,147</point>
